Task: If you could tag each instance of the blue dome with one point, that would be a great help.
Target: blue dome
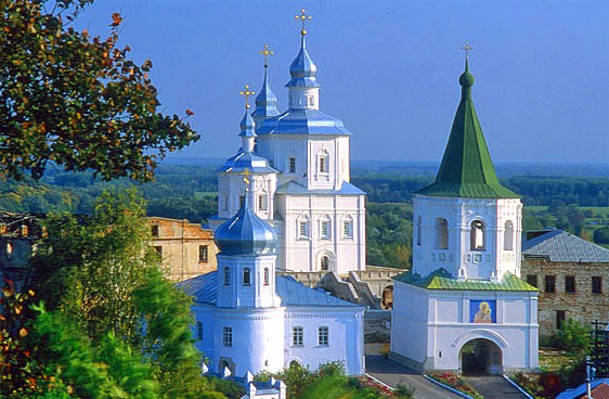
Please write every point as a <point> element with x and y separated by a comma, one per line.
<point>246,234</point>
<point>303,71</point>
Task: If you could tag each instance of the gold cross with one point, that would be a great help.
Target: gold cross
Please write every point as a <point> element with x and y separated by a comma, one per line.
<point>303,18</point>
<point>467,49</point>
<point>246,93</point>
<point>246,175</point>
<point>266,53</point>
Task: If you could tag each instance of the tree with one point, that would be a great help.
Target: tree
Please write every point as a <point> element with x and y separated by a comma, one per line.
<point>77,101</point>
<point>100,276</point>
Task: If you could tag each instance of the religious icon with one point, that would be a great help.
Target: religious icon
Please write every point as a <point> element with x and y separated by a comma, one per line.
<point>482,311</point>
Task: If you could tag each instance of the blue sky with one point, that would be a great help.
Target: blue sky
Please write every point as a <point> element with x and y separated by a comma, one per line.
<point>388,69</point>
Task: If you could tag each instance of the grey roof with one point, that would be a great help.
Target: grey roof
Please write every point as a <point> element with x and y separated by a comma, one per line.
<point>293,187</point>
<point>292,293</point>
<point>561,246</point>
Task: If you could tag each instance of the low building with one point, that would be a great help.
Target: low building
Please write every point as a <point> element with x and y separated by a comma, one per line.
<point>18,236</point>
<point>571,274</point>
<point>187,249</point>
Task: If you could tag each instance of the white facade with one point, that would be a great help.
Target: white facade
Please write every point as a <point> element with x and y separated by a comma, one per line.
<point>471,238</point>
<point>431,328</point>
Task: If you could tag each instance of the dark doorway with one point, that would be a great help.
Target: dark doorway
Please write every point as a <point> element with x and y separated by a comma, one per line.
<point>481,356</point>
<point>325,263</point>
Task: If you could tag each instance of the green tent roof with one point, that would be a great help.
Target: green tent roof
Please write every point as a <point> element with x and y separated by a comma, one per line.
<point>467,169</point>
<point>442,280</point>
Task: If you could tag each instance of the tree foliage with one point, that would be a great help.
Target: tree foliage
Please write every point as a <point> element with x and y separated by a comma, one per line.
<point>77,101</point>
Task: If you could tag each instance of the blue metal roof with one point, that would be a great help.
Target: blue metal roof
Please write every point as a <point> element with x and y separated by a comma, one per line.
<point>266,101</point>
<point>303,121</point>
<point>242,160</point>
<point>204,288</point>
<point>245,234</point>
<point>561,246</point>
<point>581,390</point>
<point>303,71</point>
<point>293,187</point>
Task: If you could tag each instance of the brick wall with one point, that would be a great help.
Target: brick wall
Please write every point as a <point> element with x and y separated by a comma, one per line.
<point>582,305</point>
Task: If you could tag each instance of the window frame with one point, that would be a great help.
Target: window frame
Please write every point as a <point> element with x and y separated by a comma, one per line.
<point>304,229</point>
<point>508,236</point>
<point>226,275</point>
<point>292,165</point>
<point>532,278</point>
<point>549,284</point>
<point>227,337</point>
<point>246,277</point>
<point>325,229</point>
<point>570,284</point>
<point>199,331</point>
<point>323,336</point>
<point>597,284</point>
<point>348,229</point>
<point>442,233</point>
<point>204,253</point>
<point>298,336</point>
<point>475,226</point>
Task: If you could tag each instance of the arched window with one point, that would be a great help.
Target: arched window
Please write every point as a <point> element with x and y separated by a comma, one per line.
<point>325,263</point>
<point>419,232</point>
<point>226,276</point>
<point>267,276</point>
<point>247,276</point>
<point>508,236</point>
<point>441,233</point>
<point>477,236</point>
<point>324,228</point>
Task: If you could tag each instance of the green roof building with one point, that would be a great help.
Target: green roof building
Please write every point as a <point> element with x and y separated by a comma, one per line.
<point>463,304</point>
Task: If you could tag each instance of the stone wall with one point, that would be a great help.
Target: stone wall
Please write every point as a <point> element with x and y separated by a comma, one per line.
<point>182,246</point>
<point>582,305</point>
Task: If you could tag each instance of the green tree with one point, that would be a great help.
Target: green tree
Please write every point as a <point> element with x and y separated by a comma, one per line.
<point>102,276</point>
<point>77,101</point>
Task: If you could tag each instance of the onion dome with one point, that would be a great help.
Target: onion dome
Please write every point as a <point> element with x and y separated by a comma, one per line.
<point>303,71</point>
<point>245,234</point>
<point>247,125</point>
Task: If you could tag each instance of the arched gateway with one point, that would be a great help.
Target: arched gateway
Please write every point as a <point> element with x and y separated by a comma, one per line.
<point>481,356</point>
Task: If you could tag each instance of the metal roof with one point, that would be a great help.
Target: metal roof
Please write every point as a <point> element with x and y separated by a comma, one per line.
<point>467,169</point>
<point>561,246</point>
<point>442,280</point>
<point>303,121</point>
<point>242,160</point>
<point>293,187</point>
<point>204,288</point>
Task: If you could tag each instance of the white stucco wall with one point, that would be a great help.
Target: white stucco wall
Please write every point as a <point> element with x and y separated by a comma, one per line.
<point>447,327</point>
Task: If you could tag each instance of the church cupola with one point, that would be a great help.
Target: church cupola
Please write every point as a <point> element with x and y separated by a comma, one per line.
<point>266,102</point>
<point>247,124</point>
<point>303,87</point>
<point>245,234</point>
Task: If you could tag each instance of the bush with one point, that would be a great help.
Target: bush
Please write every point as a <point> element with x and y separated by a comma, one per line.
<point>573,337</point>
<point>404,391</point>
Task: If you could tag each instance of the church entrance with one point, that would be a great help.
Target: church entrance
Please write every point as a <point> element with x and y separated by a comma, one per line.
<point>481,356</point>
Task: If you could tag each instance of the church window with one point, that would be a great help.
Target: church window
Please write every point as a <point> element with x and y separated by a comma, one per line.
<point>550,284</point>
<point>241,201</point>
<point>297,336</point>
<point>203,253</point>
<point>247,276</point>
<point>508,236</point>
<point>441,233</point>
<point>267,276</point>
<point>324,162</point>
<point>303,229</point>
<point>322,336</point>
<point>262,202</point>
<point>348,229</point>
<point>570,284</point>
<point>477,236</point>
<point>324,232</point>
<point>154,230</point>
<point>597,285</point>
<point>226,276</point>
<point>311,100</point>
<point>199,331</point>
<point>224,202</point>
<point>325,263</point>
<point>561,316</point>
<point>419,232</point>
<point>292,165</point>
<point>227,336</point>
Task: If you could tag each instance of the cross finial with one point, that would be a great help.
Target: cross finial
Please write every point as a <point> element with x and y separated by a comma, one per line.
<point>266,53</point>
<point>246,175</point>
<point>303,17</point>
<point>246,93</point>
<point>467,48</point>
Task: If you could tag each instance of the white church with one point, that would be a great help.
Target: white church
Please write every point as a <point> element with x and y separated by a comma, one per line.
<point>463,306</point>
<point>287,188</point>
<point>300,166</point>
